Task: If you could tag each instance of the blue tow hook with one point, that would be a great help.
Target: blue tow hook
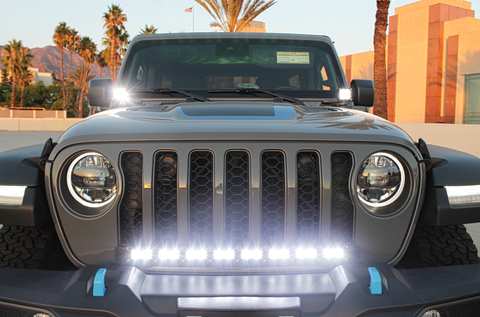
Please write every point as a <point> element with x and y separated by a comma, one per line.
<point>99,288</point>
<point>375,281</point>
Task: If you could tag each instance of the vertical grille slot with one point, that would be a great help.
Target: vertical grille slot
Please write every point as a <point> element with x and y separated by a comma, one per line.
<point>273,198</point>
<point>166,198</point>
<point>237,202</point>
<point>342,206</point>
<point>201,198</point>
<point>131,215</point>
<point>308,198</point>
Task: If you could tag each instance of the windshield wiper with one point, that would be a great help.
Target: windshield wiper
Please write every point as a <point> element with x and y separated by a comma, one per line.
<point>278,97</point>
<point>190,96</point>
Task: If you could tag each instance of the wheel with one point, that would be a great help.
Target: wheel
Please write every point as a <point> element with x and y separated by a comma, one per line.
<point>32,248</point>
<point>440,246</point>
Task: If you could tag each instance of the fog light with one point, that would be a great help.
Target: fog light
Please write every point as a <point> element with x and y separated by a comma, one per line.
<point>224,254</point>
<point>252,254</point>
<point>344,94</point>
<point>333,253</point>
<point>306,254</point>
<point>282,254</point>
<point>138,254</point>
<point>432,313</point>
<point>196,254</point>
<point>120,94</point>
<point>168,255</point>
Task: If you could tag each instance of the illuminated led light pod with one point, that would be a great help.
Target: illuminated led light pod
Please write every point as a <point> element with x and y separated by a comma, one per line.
<point>255,254</point>
<point>91,180</point>
<point>168,254</point>
<point>333,253</point>
<point>224,254</point>
<point>463,195</point>
<point>303,254</point>
<point>344,94</point>
<point>380,180</point>
<point>12,195</point>
<point>120,94</point>
<point>278,254</point>
<point>196,254</point>
<point>141,254</point>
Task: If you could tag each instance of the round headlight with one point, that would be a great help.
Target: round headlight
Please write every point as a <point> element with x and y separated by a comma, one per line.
<point>381,180</point>
<point>91,180</point>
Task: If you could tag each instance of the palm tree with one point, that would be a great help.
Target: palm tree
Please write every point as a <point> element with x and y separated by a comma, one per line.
<point>114,23</point>
<point>14,57</point>
<point>379,65</point>
<point>60,38</point>
<point>72,45</point>
<point>87,50</point>
<point>234,15</point>
<point>148,30</point>
<point>101,62</point>
<point>25,79</point>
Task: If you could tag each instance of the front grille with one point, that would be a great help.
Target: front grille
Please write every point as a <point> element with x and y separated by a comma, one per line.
<point>235,199</point>
<point>131,213</point>
<point>201,198</point>
<point>273,198</point>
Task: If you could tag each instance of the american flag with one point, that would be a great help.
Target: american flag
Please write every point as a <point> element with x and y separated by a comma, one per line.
<point>189,9</point>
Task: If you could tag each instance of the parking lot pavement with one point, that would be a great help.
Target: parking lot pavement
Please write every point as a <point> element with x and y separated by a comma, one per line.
<point>10,140</point>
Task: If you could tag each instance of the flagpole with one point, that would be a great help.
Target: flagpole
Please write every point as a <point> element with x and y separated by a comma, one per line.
<point>193,18</point>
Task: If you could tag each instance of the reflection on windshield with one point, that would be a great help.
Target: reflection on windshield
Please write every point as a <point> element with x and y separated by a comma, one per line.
<point>206,64</point>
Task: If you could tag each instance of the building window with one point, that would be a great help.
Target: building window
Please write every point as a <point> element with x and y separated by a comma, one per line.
<point>471,115</point>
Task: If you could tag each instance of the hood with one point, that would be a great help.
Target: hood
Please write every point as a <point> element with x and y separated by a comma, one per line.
<point>260,121</point>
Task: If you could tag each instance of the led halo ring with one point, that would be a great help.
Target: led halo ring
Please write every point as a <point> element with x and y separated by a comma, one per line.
<point>400,188</point>
<point>72,190</point>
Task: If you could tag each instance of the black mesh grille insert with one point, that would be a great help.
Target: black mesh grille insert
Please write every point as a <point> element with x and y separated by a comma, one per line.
<point>201,198</point>
<point>273,198</point>
<point>308,197</point>
<point>237,197</point>
<point>166,198</point>
<point>342,207</point>
<point>131,222</point>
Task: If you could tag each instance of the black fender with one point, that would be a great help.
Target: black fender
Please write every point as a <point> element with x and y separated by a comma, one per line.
<point>449,168</point>
<point>25,167</point>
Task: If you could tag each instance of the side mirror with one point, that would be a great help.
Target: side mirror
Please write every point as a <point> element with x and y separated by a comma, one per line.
<point>100,93</point>
<point>362,92</point>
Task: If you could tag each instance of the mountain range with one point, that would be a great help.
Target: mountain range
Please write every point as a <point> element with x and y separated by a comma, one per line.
<point>47,59</point>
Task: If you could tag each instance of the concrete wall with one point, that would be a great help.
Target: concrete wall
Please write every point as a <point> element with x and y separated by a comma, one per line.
<point>36,124</point>
<point>462,137</point>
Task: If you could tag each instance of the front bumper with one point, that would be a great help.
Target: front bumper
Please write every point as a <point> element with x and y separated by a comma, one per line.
<point>341,292</point>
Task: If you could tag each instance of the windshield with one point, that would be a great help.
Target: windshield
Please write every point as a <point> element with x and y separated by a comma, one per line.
<point>303,68</point>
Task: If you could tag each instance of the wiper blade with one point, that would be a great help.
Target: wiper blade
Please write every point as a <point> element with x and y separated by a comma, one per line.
<point>257,90</point>
<point>170,91</point>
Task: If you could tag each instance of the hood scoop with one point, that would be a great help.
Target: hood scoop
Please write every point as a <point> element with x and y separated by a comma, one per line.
<point>236,111</point>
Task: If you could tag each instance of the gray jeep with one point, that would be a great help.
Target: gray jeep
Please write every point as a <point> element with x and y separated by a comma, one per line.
<point>231,175</point>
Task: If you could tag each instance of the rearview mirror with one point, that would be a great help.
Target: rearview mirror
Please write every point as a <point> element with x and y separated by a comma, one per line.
<point>100,93</point>
<point>362,92</point>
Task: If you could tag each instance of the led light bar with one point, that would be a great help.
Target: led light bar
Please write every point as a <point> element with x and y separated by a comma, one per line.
<point>196,254</point>
<point>224,254</point>
<point>336,253</point>
<point>120,94</point>
<point>306,254</point>
<point>255,254</point>
<point>139,254</point>
<point>278,254</point>
<point>344,94</point>
<point>12,195</point>
<point>463,195</point>
<point>168,254</point>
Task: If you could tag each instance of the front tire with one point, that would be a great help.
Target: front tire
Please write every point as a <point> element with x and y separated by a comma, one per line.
<point>440,246</point>
<point>32,248</point>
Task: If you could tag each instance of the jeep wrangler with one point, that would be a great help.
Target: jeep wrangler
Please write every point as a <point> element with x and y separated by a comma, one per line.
<point>237,174</point>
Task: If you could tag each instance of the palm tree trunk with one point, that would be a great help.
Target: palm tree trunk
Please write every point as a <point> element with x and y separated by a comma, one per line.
<point>112,59</point>
<point>101,71</point>
<point>63,83</point>
<point>380,69</point>
<point>68,79</point>
<point>14,87</point>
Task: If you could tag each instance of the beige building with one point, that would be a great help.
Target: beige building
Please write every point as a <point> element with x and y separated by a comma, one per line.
<point>433,63</point>
<point>39,76</point>
<point>255,27</point>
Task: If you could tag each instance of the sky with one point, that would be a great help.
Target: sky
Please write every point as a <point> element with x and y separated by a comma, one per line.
<point>350,23</point>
